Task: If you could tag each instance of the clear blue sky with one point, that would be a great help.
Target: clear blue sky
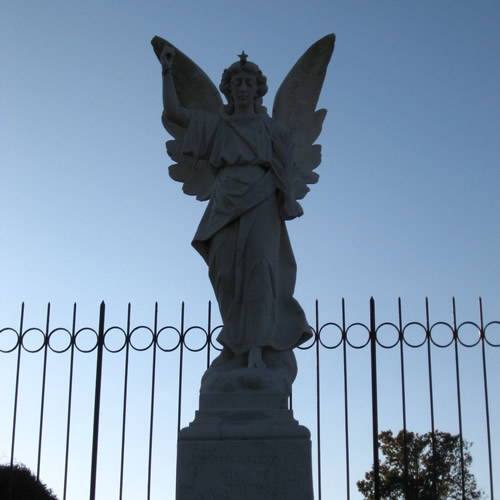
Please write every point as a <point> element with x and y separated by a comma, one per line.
<point>408,198</point>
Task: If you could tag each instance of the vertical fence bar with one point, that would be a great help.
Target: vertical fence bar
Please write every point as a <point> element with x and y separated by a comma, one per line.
<point>125,394</point>
<point>403,398</point>
<point>318,402</point>
<point>486,400</point>
<point>346,408</point>
<point>209,332</point>
<point>42,402</point>
<point>459,399</point>
<point>16,391</point>
<point>373,345</point>
<point>153,384</point>
<point>70,398</point>
<point>97,401</point>
<point>181,359</point>
<point>431,396</point>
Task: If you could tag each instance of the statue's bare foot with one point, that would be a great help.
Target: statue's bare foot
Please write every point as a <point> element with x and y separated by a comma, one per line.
<point>255,358</point>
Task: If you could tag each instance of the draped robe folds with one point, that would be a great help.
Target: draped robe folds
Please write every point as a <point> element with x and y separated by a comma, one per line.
<point>242,236</point>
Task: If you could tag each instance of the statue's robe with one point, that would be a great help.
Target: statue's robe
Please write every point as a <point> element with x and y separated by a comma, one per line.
<point>242,235</point>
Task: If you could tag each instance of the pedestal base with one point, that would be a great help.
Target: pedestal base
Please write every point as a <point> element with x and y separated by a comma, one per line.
<point>241,469</point>
<point>244,444</point>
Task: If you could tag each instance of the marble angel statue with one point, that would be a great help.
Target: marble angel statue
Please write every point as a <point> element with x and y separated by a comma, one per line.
<point>252,169</point>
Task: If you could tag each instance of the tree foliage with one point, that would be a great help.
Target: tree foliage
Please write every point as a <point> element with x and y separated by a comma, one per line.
<point>422,466</point>
<point>17,482</point>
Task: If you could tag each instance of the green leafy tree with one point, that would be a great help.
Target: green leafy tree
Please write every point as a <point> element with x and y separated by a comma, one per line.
<point>425,471</point>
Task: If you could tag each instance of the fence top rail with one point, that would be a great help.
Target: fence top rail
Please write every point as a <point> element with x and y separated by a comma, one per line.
<point>167,338</point>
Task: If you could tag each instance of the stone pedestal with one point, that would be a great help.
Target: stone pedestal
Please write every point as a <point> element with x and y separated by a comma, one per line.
<point>244,443</point>
<point>265,469</point>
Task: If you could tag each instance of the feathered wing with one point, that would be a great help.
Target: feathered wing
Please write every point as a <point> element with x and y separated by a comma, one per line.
<point>295,106</point>
<point>195,91</point>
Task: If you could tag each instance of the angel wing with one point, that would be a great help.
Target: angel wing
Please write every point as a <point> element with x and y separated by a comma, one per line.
<point>295,106</point>
<point>195,90</point>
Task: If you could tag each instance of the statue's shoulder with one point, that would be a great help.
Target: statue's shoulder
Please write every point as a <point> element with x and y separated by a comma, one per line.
<point>277,128</point>
<point>272,124</point>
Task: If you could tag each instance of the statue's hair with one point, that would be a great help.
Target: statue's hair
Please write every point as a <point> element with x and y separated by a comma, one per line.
<point>247,67</point>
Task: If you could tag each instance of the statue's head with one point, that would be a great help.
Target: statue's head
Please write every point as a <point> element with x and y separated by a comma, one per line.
<point>242,69</point>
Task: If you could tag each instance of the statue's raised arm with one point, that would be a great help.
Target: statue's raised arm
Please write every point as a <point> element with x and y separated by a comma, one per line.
<point>193,91</point>
<point>173,111</point>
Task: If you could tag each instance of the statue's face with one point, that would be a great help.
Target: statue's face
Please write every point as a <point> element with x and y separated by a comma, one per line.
<point>244,88</point>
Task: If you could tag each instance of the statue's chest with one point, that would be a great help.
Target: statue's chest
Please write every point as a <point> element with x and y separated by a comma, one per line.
<point>244,142</point>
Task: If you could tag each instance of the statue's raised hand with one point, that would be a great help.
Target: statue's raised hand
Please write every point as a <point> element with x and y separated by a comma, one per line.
<point>167,57</point>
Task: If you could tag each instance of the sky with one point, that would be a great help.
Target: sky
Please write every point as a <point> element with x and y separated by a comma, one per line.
<point>407,203</point>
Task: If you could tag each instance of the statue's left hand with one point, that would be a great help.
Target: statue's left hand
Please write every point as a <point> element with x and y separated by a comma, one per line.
<point>290,208</point>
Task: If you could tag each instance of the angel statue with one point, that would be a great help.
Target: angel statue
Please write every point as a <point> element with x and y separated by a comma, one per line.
<point>252,169</point>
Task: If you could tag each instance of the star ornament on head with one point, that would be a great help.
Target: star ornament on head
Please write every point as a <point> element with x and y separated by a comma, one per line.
<point>243,57</point>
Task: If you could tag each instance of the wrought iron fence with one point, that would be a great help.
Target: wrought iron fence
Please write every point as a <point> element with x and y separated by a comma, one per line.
<point>19,343</point>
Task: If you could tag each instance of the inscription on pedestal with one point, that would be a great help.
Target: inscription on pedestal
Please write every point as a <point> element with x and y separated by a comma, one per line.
<point>244,470</point>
